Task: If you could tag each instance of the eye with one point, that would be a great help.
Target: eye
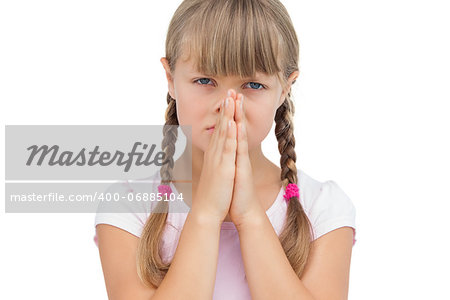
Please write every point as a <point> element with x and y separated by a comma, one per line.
<point>257,85</point>
<point>254,85</point>
<point>201,79</point>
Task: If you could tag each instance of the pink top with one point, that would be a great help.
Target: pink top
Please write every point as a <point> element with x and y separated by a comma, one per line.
<point>325,204</point>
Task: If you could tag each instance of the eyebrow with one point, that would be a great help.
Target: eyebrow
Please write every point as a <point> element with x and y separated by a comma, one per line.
<point>258,76</point>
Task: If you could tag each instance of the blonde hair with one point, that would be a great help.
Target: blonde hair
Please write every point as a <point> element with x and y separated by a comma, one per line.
<point>232,37</point>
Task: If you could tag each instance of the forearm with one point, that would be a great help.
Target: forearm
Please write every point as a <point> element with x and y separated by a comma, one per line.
<point>269,273</point>
<point>193,269</point>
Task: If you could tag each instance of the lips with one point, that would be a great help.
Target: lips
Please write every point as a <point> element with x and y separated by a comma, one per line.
<point>210,130</point>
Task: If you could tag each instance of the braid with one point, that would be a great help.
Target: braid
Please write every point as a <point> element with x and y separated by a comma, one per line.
<point>170,133</point>
<point>284,131</point>
<point>151,268</point>
<point>296,234</point>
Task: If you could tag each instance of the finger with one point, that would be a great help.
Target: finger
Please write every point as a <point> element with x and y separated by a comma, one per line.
<point>242,143</point>
<point>215,135</point>
<point>227,115</point>
<point>229,153</point>
<point>239,115</point>
<point>232,93</point>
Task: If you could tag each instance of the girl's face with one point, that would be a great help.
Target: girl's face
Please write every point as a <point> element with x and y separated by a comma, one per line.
<point>198,99</point>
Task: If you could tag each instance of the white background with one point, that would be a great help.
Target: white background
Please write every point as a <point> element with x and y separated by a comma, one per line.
<point>372,113</point>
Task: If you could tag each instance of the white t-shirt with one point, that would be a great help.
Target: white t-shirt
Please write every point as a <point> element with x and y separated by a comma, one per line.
<point>325,204</point>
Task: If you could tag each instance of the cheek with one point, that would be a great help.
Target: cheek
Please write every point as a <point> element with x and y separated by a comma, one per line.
<point>190,113</point>
<point>259,123</point>
<point>189,107</point>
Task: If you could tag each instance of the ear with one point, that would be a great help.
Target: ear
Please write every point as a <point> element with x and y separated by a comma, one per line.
<point>169,77</point>
<point>292,78</point>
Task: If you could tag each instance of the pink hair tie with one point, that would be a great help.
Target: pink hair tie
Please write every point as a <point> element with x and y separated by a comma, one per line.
<point>164,189</point>
<point>291,191</point>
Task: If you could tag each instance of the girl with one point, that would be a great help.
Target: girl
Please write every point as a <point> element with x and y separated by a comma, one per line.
<point>254,231</point>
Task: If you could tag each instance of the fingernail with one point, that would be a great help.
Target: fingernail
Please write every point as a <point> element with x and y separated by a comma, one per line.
<point>226,102</point>
<point>229,93</point>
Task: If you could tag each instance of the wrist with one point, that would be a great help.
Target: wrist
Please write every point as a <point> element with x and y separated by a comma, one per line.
<point>252,219</point>
<point>204,218</point>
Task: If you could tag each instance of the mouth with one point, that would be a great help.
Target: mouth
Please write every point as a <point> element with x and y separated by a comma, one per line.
<point>210,129</point>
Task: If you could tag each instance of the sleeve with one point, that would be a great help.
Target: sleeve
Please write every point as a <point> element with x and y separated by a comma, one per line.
<point>127,215</point>
<point>332,209</point>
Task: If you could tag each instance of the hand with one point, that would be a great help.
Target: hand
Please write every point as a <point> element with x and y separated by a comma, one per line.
<point>244,202</point>
<point>215,186</point>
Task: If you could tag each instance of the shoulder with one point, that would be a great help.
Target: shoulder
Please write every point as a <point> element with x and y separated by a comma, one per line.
<point>327,206</point>
<point>123,211</point>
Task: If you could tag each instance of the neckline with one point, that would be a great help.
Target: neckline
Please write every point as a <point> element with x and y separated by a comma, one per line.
<point>228,225</point>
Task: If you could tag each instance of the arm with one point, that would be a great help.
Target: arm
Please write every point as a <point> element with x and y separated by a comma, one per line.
<point>326,273</point>
<point>192,273</point>
<point>190,276</point>
<point>117,250</point>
